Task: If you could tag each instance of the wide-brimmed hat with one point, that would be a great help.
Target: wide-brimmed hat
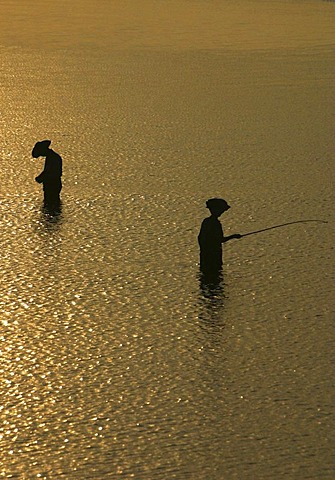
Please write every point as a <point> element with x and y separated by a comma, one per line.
<point>217,204</point>
<point>40,148</point>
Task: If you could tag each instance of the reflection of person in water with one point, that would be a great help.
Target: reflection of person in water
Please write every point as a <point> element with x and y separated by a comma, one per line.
<point>211,238</point>
<point>51,175</point>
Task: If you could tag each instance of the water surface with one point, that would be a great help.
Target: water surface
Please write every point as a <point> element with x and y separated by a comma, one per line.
<point>116,362</point>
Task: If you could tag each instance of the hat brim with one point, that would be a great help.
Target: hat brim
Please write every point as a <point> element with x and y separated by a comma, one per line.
<point>40,148</point>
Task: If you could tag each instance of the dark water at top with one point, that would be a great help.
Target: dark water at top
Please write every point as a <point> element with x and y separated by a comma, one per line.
<point>116,362</point>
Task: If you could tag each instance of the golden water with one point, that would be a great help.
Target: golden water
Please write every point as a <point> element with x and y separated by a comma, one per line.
<point>114,362</point>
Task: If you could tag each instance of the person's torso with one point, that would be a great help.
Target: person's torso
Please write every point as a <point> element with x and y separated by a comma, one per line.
<point>53,165</point>
<point>211,234</point>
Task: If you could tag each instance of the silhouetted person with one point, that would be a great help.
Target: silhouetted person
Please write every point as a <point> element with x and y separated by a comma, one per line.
<point>51,175</point>
<point>211,239</point>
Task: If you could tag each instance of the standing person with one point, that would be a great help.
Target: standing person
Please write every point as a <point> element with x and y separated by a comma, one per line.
<point>211,237</point>
<point>51,175</point>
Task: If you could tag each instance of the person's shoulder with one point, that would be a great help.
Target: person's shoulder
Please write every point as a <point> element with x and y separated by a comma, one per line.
<point>212,220</point>
<point>54,155</point>
<point>206,221</point>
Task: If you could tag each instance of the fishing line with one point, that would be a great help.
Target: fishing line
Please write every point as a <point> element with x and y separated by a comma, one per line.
<point>281,225</point>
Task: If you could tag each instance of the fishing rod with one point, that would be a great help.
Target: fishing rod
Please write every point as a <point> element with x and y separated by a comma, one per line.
<point>281,225</point>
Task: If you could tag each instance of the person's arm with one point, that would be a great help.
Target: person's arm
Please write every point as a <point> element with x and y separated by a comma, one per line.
<point>201,236</point>
<point>41,176</point>
<point>231,237</point>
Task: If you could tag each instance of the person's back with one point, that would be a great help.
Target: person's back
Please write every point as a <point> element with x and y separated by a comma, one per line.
<point>210,240</point>
<point>53,165</point>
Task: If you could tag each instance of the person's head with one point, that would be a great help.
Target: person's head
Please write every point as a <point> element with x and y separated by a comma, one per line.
<point>217,206</point>
<point>41,148</point>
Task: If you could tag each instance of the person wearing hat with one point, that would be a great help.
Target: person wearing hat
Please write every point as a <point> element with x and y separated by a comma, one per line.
<point>211,237</point>
<point>51,175</point>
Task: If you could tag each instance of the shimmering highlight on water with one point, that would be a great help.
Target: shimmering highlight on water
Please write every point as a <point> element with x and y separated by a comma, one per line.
<point>116,361</point>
